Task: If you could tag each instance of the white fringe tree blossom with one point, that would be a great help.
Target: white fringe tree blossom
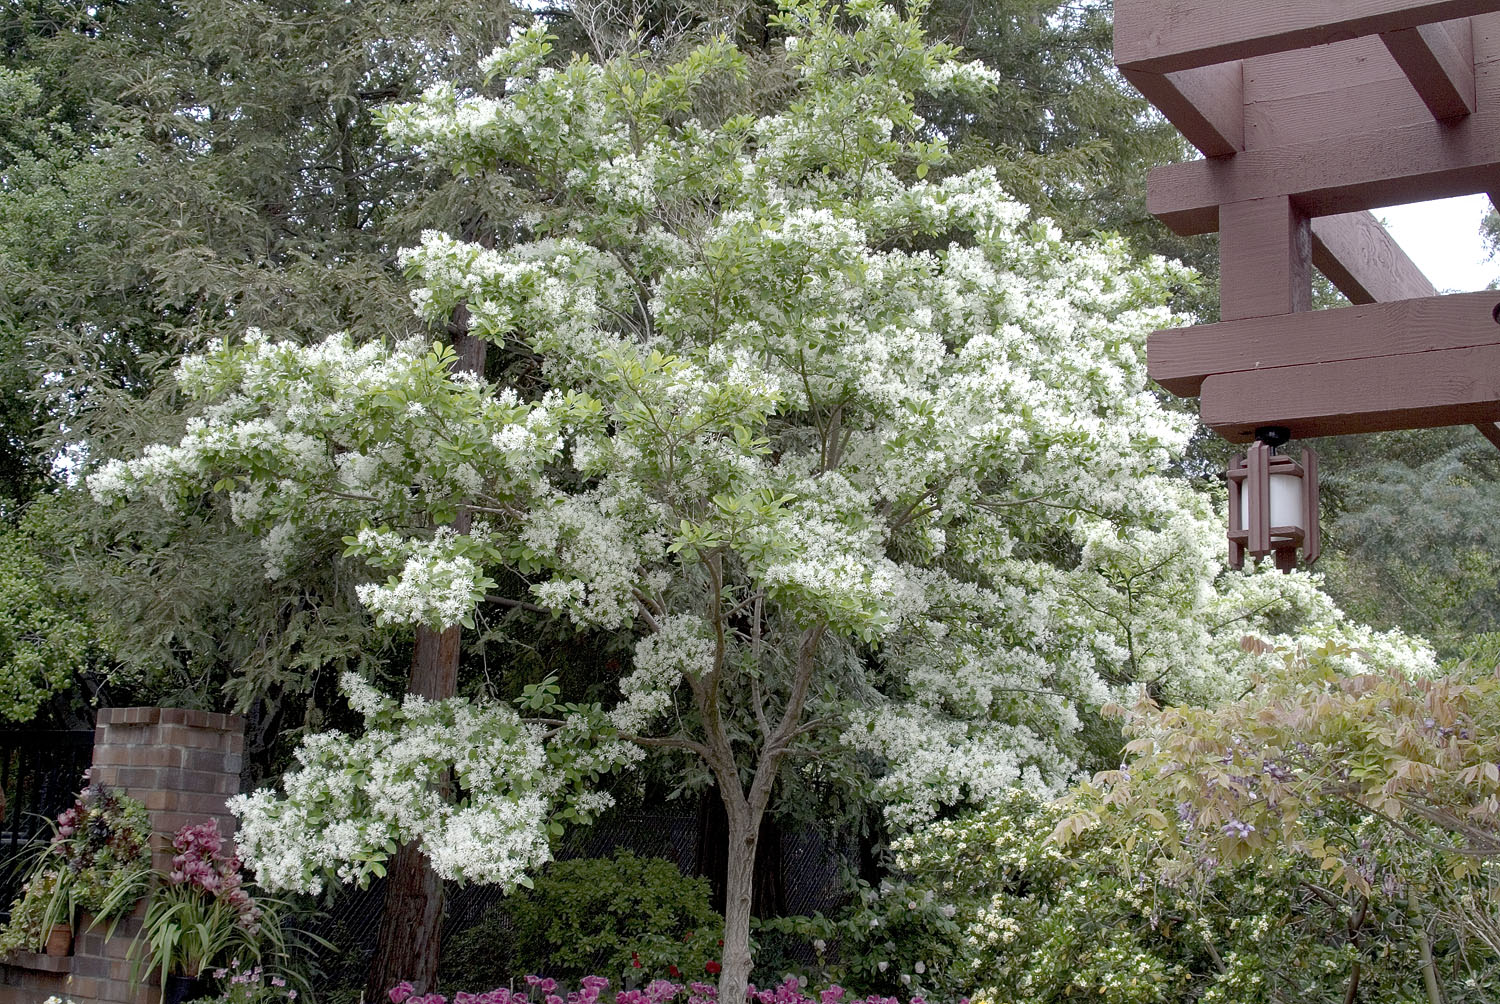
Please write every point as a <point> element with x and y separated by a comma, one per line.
<point>864,456</point>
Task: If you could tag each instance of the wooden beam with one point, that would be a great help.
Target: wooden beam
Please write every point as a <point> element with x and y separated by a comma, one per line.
<point>1366,170</point>
<point>1414,390</point>
<point>1160,37</point>
<point>1265,259</point>
<point>1438,59</point>
<point>1182,359</point>
<point>1206,104</point>
<point>1360,258</point>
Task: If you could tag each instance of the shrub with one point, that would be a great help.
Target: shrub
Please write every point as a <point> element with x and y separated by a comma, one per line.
<point>987,903</point>
<point>628,917</point>
<point>97,862</point>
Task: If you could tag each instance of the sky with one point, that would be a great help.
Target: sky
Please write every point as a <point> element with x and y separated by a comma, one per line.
<point>1442,238</point>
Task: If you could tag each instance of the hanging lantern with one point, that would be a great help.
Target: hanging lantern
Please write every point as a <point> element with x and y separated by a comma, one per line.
<point>1273,503</point>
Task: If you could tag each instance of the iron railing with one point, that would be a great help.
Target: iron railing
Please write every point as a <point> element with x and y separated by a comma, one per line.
<point>40,773</point>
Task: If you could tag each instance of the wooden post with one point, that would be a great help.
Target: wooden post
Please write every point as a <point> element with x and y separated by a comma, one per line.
<point>1265,259</point>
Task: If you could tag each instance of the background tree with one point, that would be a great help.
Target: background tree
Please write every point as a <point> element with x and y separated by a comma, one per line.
<point>191,168</point>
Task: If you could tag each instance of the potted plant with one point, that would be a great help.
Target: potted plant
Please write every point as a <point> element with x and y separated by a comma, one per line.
<point>97,862</point>
<point>201,916</point>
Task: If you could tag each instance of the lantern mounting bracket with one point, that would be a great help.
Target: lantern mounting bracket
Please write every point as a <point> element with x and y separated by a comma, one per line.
<point>1273,435</point>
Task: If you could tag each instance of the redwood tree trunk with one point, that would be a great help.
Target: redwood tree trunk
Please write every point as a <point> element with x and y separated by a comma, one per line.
<point>411,925</point>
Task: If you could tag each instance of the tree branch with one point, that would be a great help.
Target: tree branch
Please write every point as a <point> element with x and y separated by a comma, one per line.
<point>506,601</point>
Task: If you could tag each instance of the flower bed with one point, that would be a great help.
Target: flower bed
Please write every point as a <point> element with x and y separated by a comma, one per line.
<point>595,990</point>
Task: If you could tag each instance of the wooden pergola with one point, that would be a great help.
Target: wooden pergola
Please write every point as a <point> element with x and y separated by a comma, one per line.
<point>1309,113</point>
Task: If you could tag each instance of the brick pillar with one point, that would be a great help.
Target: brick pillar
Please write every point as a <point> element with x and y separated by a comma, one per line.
<point>182,765</point>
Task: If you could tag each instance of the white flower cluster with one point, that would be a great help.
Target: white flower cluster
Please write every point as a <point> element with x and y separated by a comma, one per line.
<point>434,587</point>
<point>352,801</point>
<point>681,648</point>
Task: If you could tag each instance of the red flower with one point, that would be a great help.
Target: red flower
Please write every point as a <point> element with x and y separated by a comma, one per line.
<point>674,972</point>
<point>635,959</point>
<point>712,967</point>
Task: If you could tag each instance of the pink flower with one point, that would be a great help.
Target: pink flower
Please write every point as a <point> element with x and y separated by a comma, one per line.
<point>400,992</point>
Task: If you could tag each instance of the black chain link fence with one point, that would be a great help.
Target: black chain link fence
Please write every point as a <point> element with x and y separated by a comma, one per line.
<point>812,866</point>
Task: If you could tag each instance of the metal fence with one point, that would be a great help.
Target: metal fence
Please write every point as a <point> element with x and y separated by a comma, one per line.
<point>812,867</point>
<point>40,773</point>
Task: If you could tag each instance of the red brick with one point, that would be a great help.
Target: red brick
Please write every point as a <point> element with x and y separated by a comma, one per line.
<point>157,756</point>
<point>215,760</point>
<point>168,823</point>
<point>202,803</point>
<point>110,754</point>
<point>104,775</point>
<point>90,943</point>
<point>204,781</point>
<point>158,801</point>
<point>139,779</point>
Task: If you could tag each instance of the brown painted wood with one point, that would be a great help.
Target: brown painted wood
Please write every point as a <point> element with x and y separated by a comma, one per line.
<point>1490,431</point>
<point>1412,391</point>
<point>1160,37</point>
<point>1182,359</point>
<point>1257,520</point>
<point>1341,129</point>
<point>1206,104</point>
<point>1438,59</point>
<point>1337,90</point>
<point>1312,539</point>
<point>1365,171</point>
<point>1363,261</point>
<point>1236,476</point>
<point>1265,259</point>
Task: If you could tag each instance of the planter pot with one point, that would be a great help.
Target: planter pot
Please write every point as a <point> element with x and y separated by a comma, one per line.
<point>60,940</point>
<point>181,989</point>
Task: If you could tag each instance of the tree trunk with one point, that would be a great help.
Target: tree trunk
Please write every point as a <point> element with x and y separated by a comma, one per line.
<point>1424,947</point>
<point>746,810</point>
<point>739,890</point>
<point>411,925</point>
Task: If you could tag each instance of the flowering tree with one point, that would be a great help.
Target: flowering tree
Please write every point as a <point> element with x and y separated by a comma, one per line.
<point>865,459</point>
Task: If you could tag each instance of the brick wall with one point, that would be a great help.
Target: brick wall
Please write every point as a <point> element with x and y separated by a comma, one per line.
<point>182,765</point>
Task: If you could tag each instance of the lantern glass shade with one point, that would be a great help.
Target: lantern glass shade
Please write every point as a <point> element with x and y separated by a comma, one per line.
<point>1287,502</point>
